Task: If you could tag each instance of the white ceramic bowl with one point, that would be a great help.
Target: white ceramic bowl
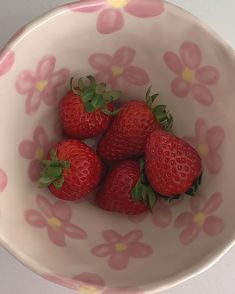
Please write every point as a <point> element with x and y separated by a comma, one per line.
<point>130,45</point>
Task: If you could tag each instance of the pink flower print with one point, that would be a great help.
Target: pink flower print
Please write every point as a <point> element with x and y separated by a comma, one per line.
<point>123,290</point>
<point>193,77</point>
<point>118,68</point>
<point>121,248</point>
<point>85,283</point>
<point>208,142</point>
<point>161,215</point>
<point>200,218</point>
<point>111,18</point>
<point>56,219</point>
<point>35,150</point>
<point>7,59</point>
<point>42,84</point>
<point>3,180</point>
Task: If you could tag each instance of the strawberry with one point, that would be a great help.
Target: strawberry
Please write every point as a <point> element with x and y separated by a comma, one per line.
<point>125,190</point>
<point>172,166</point>
<point>72,170</point>
<point>126,137</point>
<point>86,111</point>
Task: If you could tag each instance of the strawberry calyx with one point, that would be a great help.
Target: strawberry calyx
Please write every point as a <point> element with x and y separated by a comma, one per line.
<point>52,172</point>
<point>94,95</point>
<point>162,114</point>
<point>143,190</point>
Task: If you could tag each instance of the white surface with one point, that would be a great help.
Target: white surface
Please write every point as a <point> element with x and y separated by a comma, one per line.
<point>15,278</point>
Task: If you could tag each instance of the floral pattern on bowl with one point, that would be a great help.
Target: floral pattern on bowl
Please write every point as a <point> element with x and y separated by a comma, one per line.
<point>193,77</point>
<point>208,142</point>
<point>111,18</point>
<point>119,68</point>
<point>36,150</point>
<point>200,218</point>
<point>76,244</point>
<point>121,248</point>
<point>56,218</point>
<point>41,85</point>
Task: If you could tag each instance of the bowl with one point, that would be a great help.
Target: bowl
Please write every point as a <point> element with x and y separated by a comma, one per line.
<point>129,45</point>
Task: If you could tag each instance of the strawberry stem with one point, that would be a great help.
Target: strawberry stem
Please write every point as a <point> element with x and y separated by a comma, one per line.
<point>162,114</point>
<point>53,171</point>
<point>94,95</point>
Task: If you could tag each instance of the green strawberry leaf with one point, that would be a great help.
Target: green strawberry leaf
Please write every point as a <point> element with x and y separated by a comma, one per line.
<point>100,88</point>
<point>81,85</point>
<point>87,95</point>
<point>143,190</point>
<point>94,95</point>
<point>46,181</point>
<point>59,183</point>
<point>150,99</point>
<point>52,172</point>
<point>98,101</point>
<point>162,115</point>
<point>53,155</point>
<point>112,96</point>
<point>92,81</point>
<point>137,192</point>
<point>47,162</point>
<point>90,107</point>
<point>76,91</point>
<point>142,172</point>
<point>65,164</point>
<point>152,199</point>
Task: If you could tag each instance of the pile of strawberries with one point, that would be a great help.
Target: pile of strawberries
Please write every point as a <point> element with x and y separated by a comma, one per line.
<point>137,160</point>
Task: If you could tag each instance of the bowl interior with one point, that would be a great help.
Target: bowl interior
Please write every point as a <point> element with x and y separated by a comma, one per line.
<point>130,46</point>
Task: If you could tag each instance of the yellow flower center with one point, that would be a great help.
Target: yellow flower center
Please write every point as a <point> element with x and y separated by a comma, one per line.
<point>41,85</point>
<point>203,149</point>
<point>117,3</point>
<point>188,75</point>
<point>85,289</point>
<point>39,154</point>
<point>199,218</point>
<point>117,71</point>
<point>54,222</point>
<point>120,247</point>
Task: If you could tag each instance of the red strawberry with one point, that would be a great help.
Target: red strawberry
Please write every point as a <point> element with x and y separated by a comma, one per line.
<point>86,111</point>
<point>126,137</point>
<point>125,191</point>
<point>172,166</point>
<point>72,170</point>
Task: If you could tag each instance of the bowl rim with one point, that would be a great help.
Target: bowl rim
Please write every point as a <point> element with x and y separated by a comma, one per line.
<point>206,262</point>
